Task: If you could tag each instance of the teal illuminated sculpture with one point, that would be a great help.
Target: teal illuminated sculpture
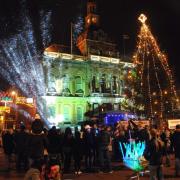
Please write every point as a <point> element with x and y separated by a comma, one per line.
<point>133,155</point>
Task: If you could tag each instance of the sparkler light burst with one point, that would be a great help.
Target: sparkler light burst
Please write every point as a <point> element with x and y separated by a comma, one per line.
<point>20,59</point>
<point>133,155</point>
<point>78,27</point>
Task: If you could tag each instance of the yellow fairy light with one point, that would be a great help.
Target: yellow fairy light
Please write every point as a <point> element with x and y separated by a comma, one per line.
<point>142,18</point>
<point>165,92</point>
<point>154,93</point>
<point>148,59</point>
<point>155,102</point>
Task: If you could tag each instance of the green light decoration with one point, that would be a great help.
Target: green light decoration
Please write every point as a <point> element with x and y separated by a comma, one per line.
<point>133,155</point>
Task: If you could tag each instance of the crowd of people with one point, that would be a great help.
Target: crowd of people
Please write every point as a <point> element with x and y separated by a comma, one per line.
<point>47,154</point>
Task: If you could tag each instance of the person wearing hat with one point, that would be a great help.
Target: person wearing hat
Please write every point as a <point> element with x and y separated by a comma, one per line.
<point>176,145</point>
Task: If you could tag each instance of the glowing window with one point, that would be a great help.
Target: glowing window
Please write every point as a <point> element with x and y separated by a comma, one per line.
<point>116,106</point>
<point>94,19</point>
<point>79,113</point>
<point>66,112</point>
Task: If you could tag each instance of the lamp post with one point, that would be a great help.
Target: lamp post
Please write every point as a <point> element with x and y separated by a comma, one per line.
<point>14,96</point>
<point>125,37</point>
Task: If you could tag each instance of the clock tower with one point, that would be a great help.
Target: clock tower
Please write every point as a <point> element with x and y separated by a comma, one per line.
<point>92,19</point>
<point>93,40</point>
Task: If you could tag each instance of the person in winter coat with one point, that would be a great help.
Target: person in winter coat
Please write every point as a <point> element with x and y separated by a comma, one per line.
<point>103,143</point>
<point>88,140</point>
<point>77,152</point>
<point>54,146</point>
<point>176,145</point>
<point>165,137</point>
<point>37,142</point>
<point>8,146</point>
<point>21,140</point>
<point>67,145</point>
<point>154,154</point>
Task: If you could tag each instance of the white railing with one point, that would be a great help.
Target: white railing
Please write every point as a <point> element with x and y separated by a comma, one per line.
<point>91,57</point>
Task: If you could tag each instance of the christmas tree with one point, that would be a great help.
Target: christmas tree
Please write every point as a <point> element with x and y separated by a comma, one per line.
<point>155,92</point>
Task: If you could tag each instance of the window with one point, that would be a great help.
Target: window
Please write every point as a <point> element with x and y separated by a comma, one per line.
<point>66,83</point>
<point>114,84</point>
<point>79,113</point>
<point>51,111</point>
<point>78,83</point>
<point>94,20</point>
<point>95,107</point>
<point>116,106</point>
<point>66,113</point>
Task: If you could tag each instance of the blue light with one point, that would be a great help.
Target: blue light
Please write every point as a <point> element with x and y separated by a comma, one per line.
<point>133,155</point>
<point>112,118</point>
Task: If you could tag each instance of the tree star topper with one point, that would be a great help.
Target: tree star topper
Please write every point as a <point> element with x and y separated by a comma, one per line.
<point>142,18</point>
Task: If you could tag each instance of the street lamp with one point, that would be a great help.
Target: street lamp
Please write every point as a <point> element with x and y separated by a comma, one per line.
<point>13,93</point>
<point>14,96</point>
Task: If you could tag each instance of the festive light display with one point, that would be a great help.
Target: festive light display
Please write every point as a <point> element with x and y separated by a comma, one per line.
<point>154,78</point>
<point>132,153</point>
<point>20,60</point>
<point>112,118</point>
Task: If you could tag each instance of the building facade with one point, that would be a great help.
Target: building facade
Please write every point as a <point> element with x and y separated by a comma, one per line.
<point>92,80</point>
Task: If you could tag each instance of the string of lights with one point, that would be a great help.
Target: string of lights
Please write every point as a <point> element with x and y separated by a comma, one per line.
<point>156,79</point>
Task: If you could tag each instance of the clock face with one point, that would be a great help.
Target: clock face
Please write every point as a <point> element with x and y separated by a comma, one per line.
<point>94,20</point>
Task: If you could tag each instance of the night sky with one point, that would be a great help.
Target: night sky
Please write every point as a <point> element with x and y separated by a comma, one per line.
<point>117,17</point>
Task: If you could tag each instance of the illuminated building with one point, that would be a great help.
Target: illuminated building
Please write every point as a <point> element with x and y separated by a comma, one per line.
<point>91,80</point>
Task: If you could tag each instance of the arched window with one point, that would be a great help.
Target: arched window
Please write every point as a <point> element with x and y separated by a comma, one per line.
<point>114,84</point>
<point>66,82</point>
<point>103,83</point>
<point>78,83</point>
<point>121,87</point>
<point>66,86</point>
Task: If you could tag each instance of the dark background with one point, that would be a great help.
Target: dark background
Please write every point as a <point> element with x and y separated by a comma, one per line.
<point>117,17</point>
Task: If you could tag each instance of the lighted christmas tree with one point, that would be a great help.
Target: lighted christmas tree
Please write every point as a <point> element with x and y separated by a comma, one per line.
<point>155,91</point>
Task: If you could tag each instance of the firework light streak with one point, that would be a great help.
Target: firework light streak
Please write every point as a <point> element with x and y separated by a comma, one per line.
<point>20,61</point>
<point>45,27</point>
<point>133,155</point>
<point>78,27</point>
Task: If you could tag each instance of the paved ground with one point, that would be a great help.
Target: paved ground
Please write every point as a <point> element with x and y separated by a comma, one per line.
<point>120,173</point>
